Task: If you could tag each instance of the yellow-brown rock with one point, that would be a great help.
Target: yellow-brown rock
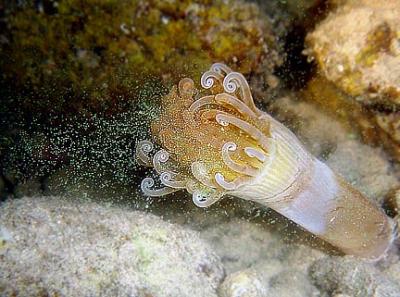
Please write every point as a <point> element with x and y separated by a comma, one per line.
<point>357,47</point>
<point>357,52</point>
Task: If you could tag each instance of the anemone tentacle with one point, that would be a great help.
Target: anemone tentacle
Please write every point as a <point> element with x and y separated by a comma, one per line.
<point>221,68</point>
<point>168,179</point>
<point>225,119</point>
<point>148,183</point>
<point>234,82</point>
<point>253,153</point>
<point>205,198</point>
<point>203,101</point>
<point>231,185</point>
<point>200,172</point>
<point>143,148</point>
<point>239,168</point>
<point>209,78</point>
<point>240,106</point>
<point>159,161</point>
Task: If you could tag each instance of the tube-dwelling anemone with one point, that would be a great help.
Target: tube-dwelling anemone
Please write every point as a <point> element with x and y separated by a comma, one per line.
<point>216,142</point>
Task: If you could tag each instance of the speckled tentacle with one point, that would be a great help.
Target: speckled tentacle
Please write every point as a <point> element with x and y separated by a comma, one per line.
<point>209,78</point>
<point>221,68</point>
<point>206,197</point>
<point>203,101</point>
<point>231,185</point>
<point>170,179</point>
<point>226,99</point>
<point>236,82</point>
<point>148,183</point>
<point>159,161</point>
<point>239,168</point>
<point>225,119</point>
<point>143,149</point>
<point>201,173</point>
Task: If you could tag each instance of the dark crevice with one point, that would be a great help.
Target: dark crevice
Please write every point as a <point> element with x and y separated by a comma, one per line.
<point>9,187</point>
<point>296,70</point>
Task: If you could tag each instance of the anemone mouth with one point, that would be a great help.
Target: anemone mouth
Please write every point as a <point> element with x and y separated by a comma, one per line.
<point>211,146</point>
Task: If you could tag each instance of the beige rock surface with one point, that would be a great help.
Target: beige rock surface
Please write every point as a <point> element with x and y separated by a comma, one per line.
<point>351,277</point>
<point>53,247</point>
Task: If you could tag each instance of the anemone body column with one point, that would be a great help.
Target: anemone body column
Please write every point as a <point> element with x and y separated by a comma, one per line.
<point>308,192</point>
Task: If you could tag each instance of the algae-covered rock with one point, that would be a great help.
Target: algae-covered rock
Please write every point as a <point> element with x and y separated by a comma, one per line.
<point>375,123</point>
<point>351,277</point>
<point>260,255</point>
<point>92,53</point>
<point>301,8</point>
<point>259,262</point>
<point>59,248</point>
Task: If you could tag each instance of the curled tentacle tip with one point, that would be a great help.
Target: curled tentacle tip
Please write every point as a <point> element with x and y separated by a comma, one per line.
<point>186,86</point>
<point>159,160</point>
<point>170,179</point>
<point>147,188</point>
<point>254,153</point>
<point>231,84</point>
<point>209,78</point>
<point>143,148</point>
<point>220,179</point>
<point>230,146</point>
<point>202,198</point>
<point>145,145</point>
<point>220,68</point>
